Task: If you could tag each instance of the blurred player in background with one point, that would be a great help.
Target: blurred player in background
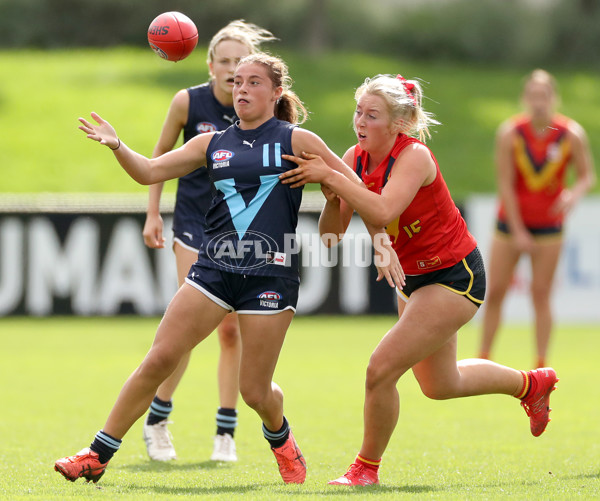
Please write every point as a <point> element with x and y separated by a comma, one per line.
<point>204,108</point>
<point>533,153</point>
<point>445,277</point>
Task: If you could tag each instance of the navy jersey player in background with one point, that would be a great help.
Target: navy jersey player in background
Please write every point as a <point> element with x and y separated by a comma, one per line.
<point>248,263</point>
<point>203,108</point>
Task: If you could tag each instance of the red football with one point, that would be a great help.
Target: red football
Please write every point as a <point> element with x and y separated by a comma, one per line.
<point>173,36</point>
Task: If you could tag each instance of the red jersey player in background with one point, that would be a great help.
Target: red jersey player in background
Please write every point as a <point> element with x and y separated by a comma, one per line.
<point>445,277</point>
<point>533,153</point>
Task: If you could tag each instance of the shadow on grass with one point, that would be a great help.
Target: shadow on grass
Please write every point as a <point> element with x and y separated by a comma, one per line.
<point>277,488</point>
<point>194,490</point>
<point>581,476</point>
<point>278,491</point>
<point>165,466</point>
<point>202,491</point>
<point>372,490</point>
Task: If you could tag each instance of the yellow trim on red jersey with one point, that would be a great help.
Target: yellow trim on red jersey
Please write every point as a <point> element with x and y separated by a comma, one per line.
<point>538,180</point>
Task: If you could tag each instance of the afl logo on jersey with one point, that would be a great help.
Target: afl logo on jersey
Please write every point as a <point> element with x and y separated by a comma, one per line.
<point>222,155</point>
<point>272,295</point>
<point>229,251</point>
<point>203,127</point>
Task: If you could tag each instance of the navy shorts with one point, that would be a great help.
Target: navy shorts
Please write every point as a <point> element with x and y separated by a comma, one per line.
<point>466,278</point>
<point>245,294</point>
<point>188,240</point>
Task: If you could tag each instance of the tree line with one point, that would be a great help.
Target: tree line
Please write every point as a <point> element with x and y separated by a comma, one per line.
<point>515,32</point>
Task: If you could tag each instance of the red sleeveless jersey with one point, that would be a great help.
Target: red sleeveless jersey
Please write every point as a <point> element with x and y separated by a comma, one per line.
<point>540,164</point>
<point>431,233</point>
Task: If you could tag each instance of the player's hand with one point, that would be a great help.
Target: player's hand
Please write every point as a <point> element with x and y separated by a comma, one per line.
<point>387,262</point>
<point>523,241</point>
<point>153,232</point>
<point>104,133</point>
<point>311,169</point>
<point>330,196</point>
<point>564,203</point>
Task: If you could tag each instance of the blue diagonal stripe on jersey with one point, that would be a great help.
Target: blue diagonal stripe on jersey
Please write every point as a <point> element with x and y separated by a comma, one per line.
<point>242,215</point>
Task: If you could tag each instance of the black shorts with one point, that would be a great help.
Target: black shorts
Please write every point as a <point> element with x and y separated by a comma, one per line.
<point>547,231</point>
<point>466,278</point>
<point>245,294</point>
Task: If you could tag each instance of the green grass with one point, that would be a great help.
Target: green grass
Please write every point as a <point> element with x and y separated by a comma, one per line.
<point>43,93</point>
<point>60,377</point>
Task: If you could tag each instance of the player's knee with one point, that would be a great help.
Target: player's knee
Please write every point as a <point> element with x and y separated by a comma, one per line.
<point>229,336</point>
<point>158,364</point>
<point>540,295</point>
<point>437,393</point>
<point>436,390</point>
<point>380,373</point>
<point>253,396</point>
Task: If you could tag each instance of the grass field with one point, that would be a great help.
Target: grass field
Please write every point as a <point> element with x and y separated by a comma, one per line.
<point>43,94</point>
<point>60,377</point>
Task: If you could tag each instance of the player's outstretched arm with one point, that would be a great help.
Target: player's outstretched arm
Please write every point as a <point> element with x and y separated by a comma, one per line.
<point>319,166</point>
<point>412,169</point>
<point>171,165</point>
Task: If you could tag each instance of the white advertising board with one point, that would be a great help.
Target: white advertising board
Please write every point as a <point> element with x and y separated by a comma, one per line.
<point>576,292</point>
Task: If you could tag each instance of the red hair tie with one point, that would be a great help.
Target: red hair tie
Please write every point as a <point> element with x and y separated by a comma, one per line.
<point>408,87</point>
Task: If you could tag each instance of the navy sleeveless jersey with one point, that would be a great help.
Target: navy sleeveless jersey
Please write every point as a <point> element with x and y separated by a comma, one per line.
<point>205,114</point>
<point>251,223</point>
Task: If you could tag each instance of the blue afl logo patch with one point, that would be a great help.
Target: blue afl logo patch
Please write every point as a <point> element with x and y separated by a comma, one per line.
<point>203,127</point>
<point>271,295</point>
<point>221,155</point>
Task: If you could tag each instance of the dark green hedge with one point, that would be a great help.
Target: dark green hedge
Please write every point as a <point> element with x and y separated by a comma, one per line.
<point>515,32</point>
